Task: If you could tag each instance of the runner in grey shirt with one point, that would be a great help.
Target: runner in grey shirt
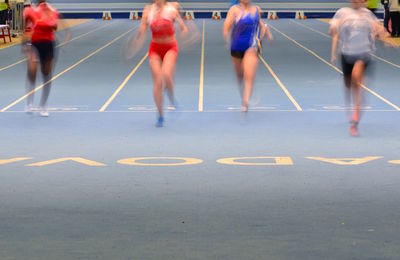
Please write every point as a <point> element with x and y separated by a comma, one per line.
<point>354,30</point>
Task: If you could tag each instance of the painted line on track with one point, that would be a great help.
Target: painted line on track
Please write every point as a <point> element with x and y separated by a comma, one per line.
<point>335,68</point>
<point>116,92</point>
<point>65,71</point>
<point>291,98</point>
<point>201,85</point>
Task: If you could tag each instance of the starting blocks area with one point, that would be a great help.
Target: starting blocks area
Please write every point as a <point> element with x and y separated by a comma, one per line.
<point>107,15</point>
<point>189,15</point>
<point>214,15</point>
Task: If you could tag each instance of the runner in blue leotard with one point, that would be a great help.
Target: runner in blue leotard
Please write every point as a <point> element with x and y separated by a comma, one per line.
<point>243,30</point>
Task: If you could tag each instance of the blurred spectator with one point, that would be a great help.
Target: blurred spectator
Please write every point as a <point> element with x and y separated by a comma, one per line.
<point>4,8</point>
<point>373,5</point>
<point>386,16</point>
<point>395,17</point>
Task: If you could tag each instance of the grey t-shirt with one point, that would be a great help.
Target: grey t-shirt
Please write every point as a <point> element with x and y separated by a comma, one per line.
<point>356,29</point>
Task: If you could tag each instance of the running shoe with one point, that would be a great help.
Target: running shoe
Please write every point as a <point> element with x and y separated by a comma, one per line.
<point>171,107</point>
<point>44,112</point>
<point>160,121</point>
<point>29,109</point>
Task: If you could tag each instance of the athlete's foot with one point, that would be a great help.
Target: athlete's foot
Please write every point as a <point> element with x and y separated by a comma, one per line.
<point>354,129</point>
<point>29,109</point>
<point>171,98</point>
<point>171,107</point>
<point>44,112</point>
<point>160,121</point>
<point>355,118</point>
<point>245,108</point>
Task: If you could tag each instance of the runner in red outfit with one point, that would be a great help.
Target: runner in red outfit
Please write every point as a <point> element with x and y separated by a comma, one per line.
<point>44,20</point>
<point>163,51</point>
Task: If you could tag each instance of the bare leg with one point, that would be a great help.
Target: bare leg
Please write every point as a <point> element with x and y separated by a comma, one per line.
<point>347,96</point>
<point>250,64</point>
<point>357,78</point>
<point>237,65</point>
<point>31,76</point>
<point>156,71</point>
<point>168,73</point>
<point>46,68</point>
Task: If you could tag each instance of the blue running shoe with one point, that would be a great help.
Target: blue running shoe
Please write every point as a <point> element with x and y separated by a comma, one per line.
<point>160,121</point>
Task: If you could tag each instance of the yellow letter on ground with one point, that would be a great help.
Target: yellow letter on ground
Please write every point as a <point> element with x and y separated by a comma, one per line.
<point>136,161</point>
<point>239,161</point>
<point>346,161</point>
<point>12,160</point>
<point>394,161</point>
<point>60,160</point>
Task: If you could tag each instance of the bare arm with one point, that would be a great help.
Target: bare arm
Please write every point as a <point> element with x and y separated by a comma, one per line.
<point>265,31</point>
<point>268,33</point>
<point>143,25</point>
<point>228,24</point>
<point>64,26</point>
<point>335,39</point>
<point>261,24</point>
<point>180,22</point>
<point>383,35</point>
<point>135,43</point>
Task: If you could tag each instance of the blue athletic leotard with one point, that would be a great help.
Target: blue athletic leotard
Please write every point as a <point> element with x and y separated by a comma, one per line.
<point>246,32</point>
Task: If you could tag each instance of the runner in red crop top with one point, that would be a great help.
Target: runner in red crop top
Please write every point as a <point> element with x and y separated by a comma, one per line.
<point>163,51</point>
<point>45,23</point>
<point>43,20</point>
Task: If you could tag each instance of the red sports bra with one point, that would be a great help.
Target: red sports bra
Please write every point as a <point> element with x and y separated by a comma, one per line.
<point>45,22</point>
<point>162,22</point>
